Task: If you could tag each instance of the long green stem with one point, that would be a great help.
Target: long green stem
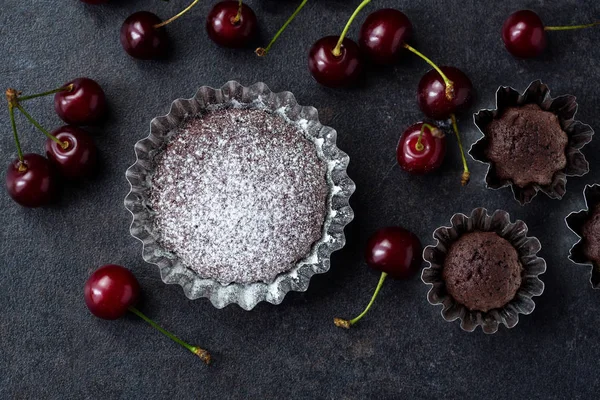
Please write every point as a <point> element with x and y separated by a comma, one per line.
<point>570,27</point>
<point>262,51</point>
<point>173,18</point>
<point>203,354</point>
<point>337,51</point>
<point>343,323</point>
<point>67,88</point>
<point>37,125</point>
<point>11,113</point>
<point>466,176</point>
<point>449,84</point>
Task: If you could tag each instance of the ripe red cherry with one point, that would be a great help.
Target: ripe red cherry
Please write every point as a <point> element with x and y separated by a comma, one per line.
<point>110,291</point>
<point>524,35</point>
<point>432,97</point>
<point>335,71</point>
<point>395,251</point>
<point>383,34</point>
<point>421,156</point>
<point>141,40</point>
<point>226,29</point>
<point>85,104</point>
<point>31,183</point>
<point>78,158</point>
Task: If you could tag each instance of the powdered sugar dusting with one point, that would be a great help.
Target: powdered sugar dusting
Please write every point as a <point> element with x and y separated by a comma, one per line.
<point>240,195</point>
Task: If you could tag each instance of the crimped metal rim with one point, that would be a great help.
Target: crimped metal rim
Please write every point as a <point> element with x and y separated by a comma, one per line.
<point>233,94</point>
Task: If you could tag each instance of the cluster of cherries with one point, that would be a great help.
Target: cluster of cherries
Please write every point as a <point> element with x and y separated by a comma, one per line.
<point>32,179</point>
<point>111,291</point>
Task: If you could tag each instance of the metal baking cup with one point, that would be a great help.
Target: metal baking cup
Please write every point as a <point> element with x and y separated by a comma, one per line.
<point>565,108</point>
<point>575,222</point>
<point>516,234</point>
<point>234,95</point>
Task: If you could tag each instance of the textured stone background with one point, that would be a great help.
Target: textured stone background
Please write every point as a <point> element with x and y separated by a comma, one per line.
<point>50,345</point>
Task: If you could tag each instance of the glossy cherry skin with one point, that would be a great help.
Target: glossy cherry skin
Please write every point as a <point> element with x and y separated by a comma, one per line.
<point>110,291</point>
<point>425,160</point>
<point>335,71</point>
<point>76,161</point>
<point>141,40</point>
<point>34,187</point>
<point>383,34</point>
<point>431,94</point>
<point>524,35</point>
<point>84,105</point>
<point>394,250</point>
<point>224,32</point>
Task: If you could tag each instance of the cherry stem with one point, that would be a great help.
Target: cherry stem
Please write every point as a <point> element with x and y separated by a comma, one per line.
<point>235,20</point>
<point>571,27</point>
<point>173,18</point>
<point>64,145</point>
<point>337,51</point>
<point>346,324</point>
<point>466,176</point>
<point>11,112</point>
<point>67,88</point>
<point>419,146</point>
<point>262,51</point>
<point>448,82</point>
<point>203,354</point>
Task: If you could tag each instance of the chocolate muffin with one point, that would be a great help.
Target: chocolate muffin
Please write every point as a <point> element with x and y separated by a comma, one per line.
<point>482,271</point>
<point>591,236</point>
<point>527,145</point>
<point>239,195</point>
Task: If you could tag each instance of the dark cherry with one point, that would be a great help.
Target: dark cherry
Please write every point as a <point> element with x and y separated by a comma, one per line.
<point>78,158</point>
<point>32,183</point>
<point>432,97</point>
<point>383,34</point>
<point>424,155</point>
<point>335,71</point>
<point>141,40</point>
<point>85,104</point>
<point>395,251</point>
<point>224,30</point>
<point>524,35</point>
<point>110,291</point>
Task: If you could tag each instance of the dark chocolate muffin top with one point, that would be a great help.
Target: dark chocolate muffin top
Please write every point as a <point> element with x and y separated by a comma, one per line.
<point>527,145</point>
<point>591,236</point>
<point>482,271</point>
<point>240,195</point>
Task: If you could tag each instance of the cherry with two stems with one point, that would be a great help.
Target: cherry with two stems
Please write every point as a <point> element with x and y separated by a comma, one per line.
<point>112,291</point>
<point>232,24</point>
<point>421,148</point>
<point>524,33</point>
<point>395,252</point>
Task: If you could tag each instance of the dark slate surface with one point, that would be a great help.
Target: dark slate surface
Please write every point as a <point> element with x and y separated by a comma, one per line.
<point>51,347</point>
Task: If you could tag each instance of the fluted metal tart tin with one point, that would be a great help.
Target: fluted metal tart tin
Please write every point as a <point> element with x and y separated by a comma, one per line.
<point>565,108</point>
<point>234,95</point>
<point>515,233</point>
<point>575,222</point>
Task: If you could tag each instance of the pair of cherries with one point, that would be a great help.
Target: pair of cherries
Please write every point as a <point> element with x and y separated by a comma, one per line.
<point>229,24</point>
<point>32,179</point>
<point>112,291</point>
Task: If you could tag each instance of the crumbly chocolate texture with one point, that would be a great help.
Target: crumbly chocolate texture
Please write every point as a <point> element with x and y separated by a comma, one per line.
<point>240,195</point>
<point>482,271</point>
<point>591,236</point>
<point>527,145</point>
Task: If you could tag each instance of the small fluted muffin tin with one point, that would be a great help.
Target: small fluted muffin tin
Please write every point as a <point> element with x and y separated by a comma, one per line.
<point>234,95</point>
<point>575,221</point>
<point>516,234</point>
<point>564,107</point>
